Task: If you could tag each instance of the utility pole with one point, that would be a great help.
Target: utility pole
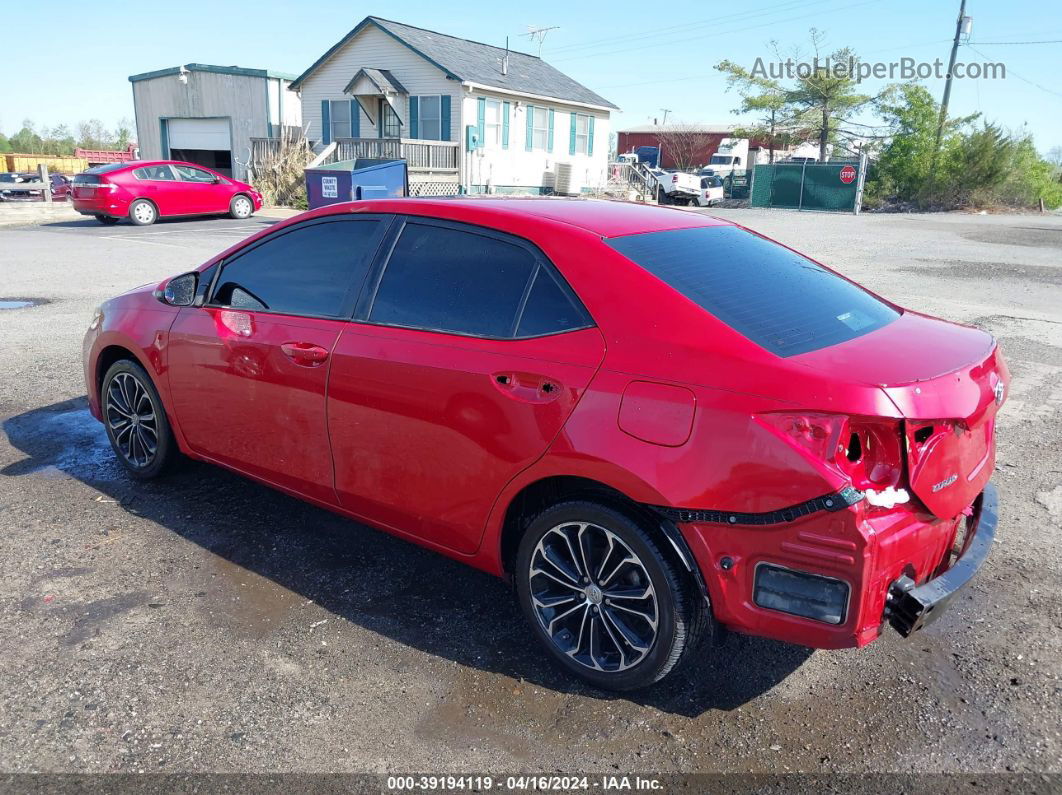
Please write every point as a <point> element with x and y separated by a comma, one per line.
<point>665,111</point>
<point>947,82</point>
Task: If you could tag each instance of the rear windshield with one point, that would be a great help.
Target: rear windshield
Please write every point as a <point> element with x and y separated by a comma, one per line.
<point>105,168</point>
<point>778,299</point>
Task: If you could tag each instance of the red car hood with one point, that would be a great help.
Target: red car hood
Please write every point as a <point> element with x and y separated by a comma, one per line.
<point>948,382</point>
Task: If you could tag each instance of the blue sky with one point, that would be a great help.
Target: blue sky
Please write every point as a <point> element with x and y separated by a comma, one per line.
<point>642,56</point>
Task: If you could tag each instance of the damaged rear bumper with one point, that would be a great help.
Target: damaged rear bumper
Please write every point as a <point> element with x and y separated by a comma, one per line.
<point>910,607</point>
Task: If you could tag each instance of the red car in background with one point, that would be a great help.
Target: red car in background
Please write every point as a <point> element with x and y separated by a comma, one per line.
<point>145,190</point>
<point>60,188</point>
<point>654,422</point>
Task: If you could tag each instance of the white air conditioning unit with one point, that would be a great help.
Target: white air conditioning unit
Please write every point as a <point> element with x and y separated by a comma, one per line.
<point>568,181</point>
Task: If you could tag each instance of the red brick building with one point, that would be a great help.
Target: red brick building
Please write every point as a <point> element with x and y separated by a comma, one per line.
<point>709,137</point>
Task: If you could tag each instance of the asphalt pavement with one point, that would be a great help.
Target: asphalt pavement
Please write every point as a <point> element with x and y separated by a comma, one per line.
<point>206,623</point>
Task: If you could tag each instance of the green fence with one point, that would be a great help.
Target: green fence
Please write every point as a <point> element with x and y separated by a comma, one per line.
<point>834,186</point>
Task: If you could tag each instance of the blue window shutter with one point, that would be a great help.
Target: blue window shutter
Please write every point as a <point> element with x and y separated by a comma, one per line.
<point>444,118</point>
<point>590,137</point>
<point>505,125</point>
<point>530,128</point>
<point>549,135</point>
<point>326,122</point>
<point>481,116</point>
<point>414,117</point>
<point>571,136</point>
<point>355,119</point>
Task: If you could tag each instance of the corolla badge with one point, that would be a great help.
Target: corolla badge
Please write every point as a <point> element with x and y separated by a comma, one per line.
<point>944,483</point>
<point>1000,391</point>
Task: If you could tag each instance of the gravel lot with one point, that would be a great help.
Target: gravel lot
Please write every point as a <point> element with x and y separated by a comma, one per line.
<point>205,623</point>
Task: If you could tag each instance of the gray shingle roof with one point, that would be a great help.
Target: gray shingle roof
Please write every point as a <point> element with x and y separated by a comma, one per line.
<point>381,78</point>
<point>474,62</point>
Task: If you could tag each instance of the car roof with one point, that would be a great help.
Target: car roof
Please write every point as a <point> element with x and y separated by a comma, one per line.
<point>600,217</point>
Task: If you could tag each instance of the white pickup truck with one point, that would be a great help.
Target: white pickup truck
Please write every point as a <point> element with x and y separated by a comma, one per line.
<point>676,187</point>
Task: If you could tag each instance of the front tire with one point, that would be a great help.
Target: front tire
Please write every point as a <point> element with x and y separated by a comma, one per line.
<point>240,207</point>
<point>136,422</point>
<point>603,598</point>
<point>143,213</point>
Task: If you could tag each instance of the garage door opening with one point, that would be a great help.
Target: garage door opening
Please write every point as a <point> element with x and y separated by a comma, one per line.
<point>218,159</point>
<point>206,142</point>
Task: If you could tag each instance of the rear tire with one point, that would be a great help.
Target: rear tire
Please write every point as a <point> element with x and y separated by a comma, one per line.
<point>136,422</point>
<point>622,615</point>
<point>107,220</point>
<point>143,213</point>
<point>241,207</point>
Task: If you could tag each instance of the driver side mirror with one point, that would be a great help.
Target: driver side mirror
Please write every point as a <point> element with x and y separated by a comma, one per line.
<point>180,290</point>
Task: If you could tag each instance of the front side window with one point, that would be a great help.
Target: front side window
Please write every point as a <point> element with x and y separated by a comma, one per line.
<point>340,118</point>
<point>582,134</point>
<point>492,124</point>
<point>539,127</point>
<point>772,296</point>
<point>310,270</point>
<point>191,174</point>
<point>429,118</point>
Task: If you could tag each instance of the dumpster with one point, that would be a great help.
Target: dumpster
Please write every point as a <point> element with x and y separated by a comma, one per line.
<point>348,180</point>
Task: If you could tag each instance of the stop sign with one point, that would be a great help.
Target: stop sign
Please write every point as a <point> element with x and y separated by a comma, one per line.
<point>848,175</point>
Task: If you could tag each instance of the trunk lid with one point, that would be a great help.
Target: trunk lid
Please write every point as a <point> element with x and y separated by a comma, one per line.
<point>948,382</point>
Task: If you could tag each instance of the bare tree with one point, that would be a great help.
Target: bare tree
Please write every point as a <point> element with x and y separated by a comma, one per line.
<point>682,143</point>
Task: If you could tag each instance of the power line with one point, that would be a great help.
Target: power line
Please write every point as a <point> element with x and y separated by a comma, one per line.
<point>993,43</point>
<point>1020,77</point>
<point>772,23</point>
<point>643,34</point>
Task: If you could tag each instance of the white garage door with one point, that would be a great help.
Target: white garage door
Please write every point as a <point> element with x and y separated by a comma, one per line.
<point>199,134</point>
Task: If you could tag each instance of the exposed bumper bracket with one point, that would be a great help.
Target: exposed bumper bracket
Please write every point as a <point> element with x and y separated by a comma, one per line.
<point>910,607</point>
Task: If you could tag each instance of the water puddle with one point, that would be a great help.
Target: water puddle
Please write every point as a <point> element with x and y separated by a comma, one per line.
<point>60,442</point>
<point>21,303</point>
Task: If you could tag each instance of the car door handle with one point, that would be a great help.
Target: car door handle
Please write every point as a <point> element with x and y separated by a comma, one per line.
<point>304,353</point>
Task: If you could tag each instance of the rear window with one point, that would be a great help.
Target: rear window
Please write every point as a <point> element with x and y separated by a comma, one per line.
<point>778,299</point>
<point>105,168</point>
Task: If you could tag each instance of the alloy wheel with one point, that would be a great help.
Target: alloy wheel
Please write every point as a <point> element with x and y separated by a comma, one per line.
<point>242,207</point>
<point>131,420</point>
<point>593,596</point>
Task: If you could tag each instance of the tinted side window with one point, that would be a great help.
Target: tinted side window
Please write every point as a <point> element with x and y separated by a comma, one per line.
<point>773,296</point>
<point>310,270</point>
<point>446,279</point>
<point>549,310</point>
<point>190,174</point>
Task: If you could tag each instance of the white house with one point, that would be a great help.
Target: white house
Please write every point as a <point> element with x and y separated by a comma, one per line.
<point>466,116</point>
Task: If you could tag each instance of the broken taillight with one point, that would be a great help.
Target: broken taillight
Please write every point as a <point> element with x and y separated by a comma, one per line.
<point>865,451</point>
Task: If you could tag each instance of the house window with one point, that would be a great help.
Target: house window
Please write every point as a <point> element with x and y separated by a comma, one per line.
<point>492,124</point>
<point>390,126</point>
<point>539,127</point>
<point>582,134</point>
<point>429,118</point>
<point>340,116</point>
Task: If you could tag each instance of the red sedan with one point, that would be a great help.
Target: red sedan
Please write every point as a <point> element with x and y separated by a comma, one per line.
<point>145,190</point>
<point>654,422</point>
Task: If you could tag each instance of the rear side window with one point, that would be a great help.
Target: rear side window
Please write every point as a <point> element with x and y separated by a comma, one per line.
<point>446,279</point>
<point>311,270</point>
<point>778,299</point>
<point>549,309</point>
<point>154,173</point>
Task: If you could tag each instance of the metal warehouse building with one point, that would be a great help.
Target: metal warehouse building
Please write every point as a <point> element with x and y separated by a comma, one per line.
<point>208,114</point>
